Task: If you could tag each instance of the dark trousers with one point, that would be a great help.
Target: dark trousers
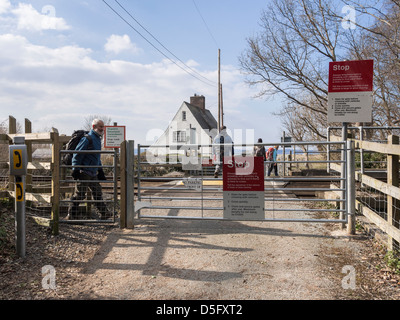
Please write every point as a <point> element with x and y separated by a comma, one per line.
<point>272,166</point>
<point>81,188</point>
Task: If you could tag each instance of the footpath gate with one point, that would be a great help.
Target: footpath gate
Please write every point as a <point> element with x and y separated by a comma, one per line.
<point>177,182</point>
<point>98,199</point>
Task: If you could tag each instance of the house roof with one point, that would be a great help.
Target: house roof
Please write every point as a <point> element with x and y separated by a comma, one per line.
<point>203,117</point>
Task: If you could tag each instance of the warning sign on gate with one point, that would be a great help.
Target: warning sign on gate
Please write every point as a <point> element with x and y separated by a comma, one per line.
<point>350,91</point>
<point>243,186</point>
<point>114,136</point>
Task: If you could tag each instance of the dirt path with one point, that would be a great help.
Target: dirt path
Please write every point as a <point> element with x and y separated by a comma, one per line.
<point>198,259</point>
<point>175,259</point>
<point>214,260</point>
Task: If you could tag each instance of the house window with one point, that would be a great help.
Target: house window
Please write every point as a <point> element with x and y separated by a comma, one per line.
<point>183,115</point>
<point>179,136</point>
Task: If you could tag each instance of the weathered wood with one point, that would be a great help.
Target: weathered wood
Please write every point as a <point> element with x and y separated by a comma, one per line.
<point>35,165</point>
<point>28,129</point>
<point>4,138</point>
<point>12,129</point>
<point>393,213</point>
<point>42,198</point>
<point>379,185</point>
<point>381,223</point>
<point>44,222</point>
<point>55,181</point>
<point>44,137</point>
<point>378,147</point>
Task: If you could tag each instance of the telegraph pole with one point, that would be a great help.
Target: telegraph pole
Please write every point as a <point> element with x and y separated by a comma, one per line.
<point>219,90</point>
<point>222,106</point>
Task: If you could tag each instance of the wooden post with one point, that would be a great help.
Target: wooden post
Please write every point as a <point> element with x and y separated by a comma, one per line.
<point>12,125</point>
<point>28,129</point>
<point>219,90</point>
<point>393,213</point>
<point>222,107</point>
<point>55,181</point>
<point>12,129</point>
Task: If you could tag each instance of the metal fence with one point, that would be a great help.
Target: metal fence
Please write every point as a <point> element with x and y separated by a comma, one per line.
<point>168,188</point>
<point>88,199</point>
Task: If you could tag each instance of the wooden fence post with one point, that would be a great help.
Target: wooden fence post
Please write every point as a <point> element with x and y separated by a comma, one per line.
<point>28,129</point>
<point>12,129</point>
<point>393,213</point>
<point>55,181</point>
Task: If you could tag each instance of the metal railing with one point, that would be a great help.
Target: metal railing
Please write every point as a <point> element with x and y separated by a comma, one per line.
<point>101,207</point>
<point>287,198</point>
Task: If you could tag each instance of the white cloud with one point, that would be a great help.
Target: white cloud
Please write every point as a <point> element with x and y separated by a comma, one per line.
<point>30,19</point>
<point>59,87</point>
<point>4,6</point>
<point>117,44</point>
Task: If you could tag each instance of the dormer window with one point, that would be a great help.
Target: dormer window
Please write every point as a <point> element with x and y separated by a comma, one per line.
<point>183,115</point>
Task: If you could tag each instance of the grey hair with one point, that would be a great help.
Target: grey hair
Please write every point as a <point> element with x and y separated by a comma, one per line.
<point>96,121</point>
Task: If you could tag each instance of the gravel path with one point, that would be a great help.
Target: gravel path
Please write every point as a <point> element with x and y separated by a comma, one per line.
<point>196,259</point>
<point>191,259</point>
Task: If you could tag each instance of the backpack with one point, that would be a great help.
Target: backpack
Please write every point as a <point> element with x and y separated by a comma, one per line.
<point>77,135</point>
<point>270,154</point>
<point>259,151</point>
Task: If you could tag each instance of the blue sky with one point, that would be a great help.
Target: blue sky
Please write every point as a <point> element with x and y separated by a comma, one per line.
<point>61,61</point>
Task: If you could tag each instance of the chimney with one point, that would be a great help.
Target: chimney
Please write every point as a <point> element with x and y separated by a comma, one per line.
<point>198,101</point>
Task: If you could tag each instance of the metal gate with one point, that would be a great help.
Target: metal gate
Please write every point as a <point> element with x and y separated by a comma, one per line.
<point>89,206</point>
<point>177,182</point>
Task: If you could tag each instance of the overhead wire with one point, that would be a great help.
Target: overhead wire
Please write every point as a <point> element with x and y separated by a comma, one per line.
<point>205,23</point>
<point>156,48</point>
<point>123,8</point>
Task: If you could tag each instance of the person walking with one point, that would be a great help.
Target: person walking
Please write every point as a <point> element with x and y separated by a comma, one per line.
<point>221,149</point>
<point>259,151</point>
<point>271,156</point>
<point>88,177</point>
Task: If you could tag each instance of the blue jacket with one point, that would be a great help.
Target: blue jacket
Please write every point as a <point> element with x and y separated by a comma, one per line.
<point>88,159</point>
<point>275,155</point>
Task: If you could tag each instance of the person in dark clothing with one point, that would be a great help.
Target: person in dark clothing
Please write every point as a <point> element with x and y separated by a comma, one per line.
<point>88,177</point>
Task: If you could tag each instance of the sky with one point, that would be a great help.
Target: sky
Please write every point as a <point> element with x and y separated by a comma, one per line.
<point>62,61</point>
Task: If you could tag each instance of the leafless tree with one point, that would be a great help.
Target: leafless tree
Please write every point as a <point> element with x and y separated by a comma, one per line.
<point>88,120</point>
<point>298,39</point>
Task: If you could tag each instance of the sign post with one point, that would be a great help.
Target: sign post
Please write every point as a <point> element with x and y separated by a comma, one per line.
<point>350,99</point>
<point>350,91</point>
<point>18,169</point>
<point>243,188</point>
<point>114,136</point>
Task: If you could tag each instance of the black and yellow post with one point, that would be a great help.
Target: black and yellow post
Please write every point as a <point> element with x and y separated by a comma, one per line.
<point>18,169</point>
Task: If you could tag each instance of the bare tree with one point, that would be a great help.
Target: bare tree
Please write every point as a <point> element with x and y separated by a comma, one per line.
<point>290,57</point>
<point>88,120</point>
<point>380,41</point>
<point>298,39</point>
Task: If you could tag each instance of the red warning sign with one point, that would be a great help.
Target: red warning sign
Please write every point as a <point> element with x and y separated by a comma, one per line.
<point>351,76</point>
<point>243,174</point>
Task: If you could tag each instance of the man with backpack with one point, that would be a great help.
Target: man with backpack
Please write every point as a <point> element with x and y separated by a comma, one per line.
<point>221,149</point>
<point>272,154</point>
<point>90,173</point>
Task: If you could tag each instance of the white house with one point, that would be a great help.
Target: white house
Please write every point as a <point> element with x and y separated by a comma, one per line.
<point>192,128</point>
